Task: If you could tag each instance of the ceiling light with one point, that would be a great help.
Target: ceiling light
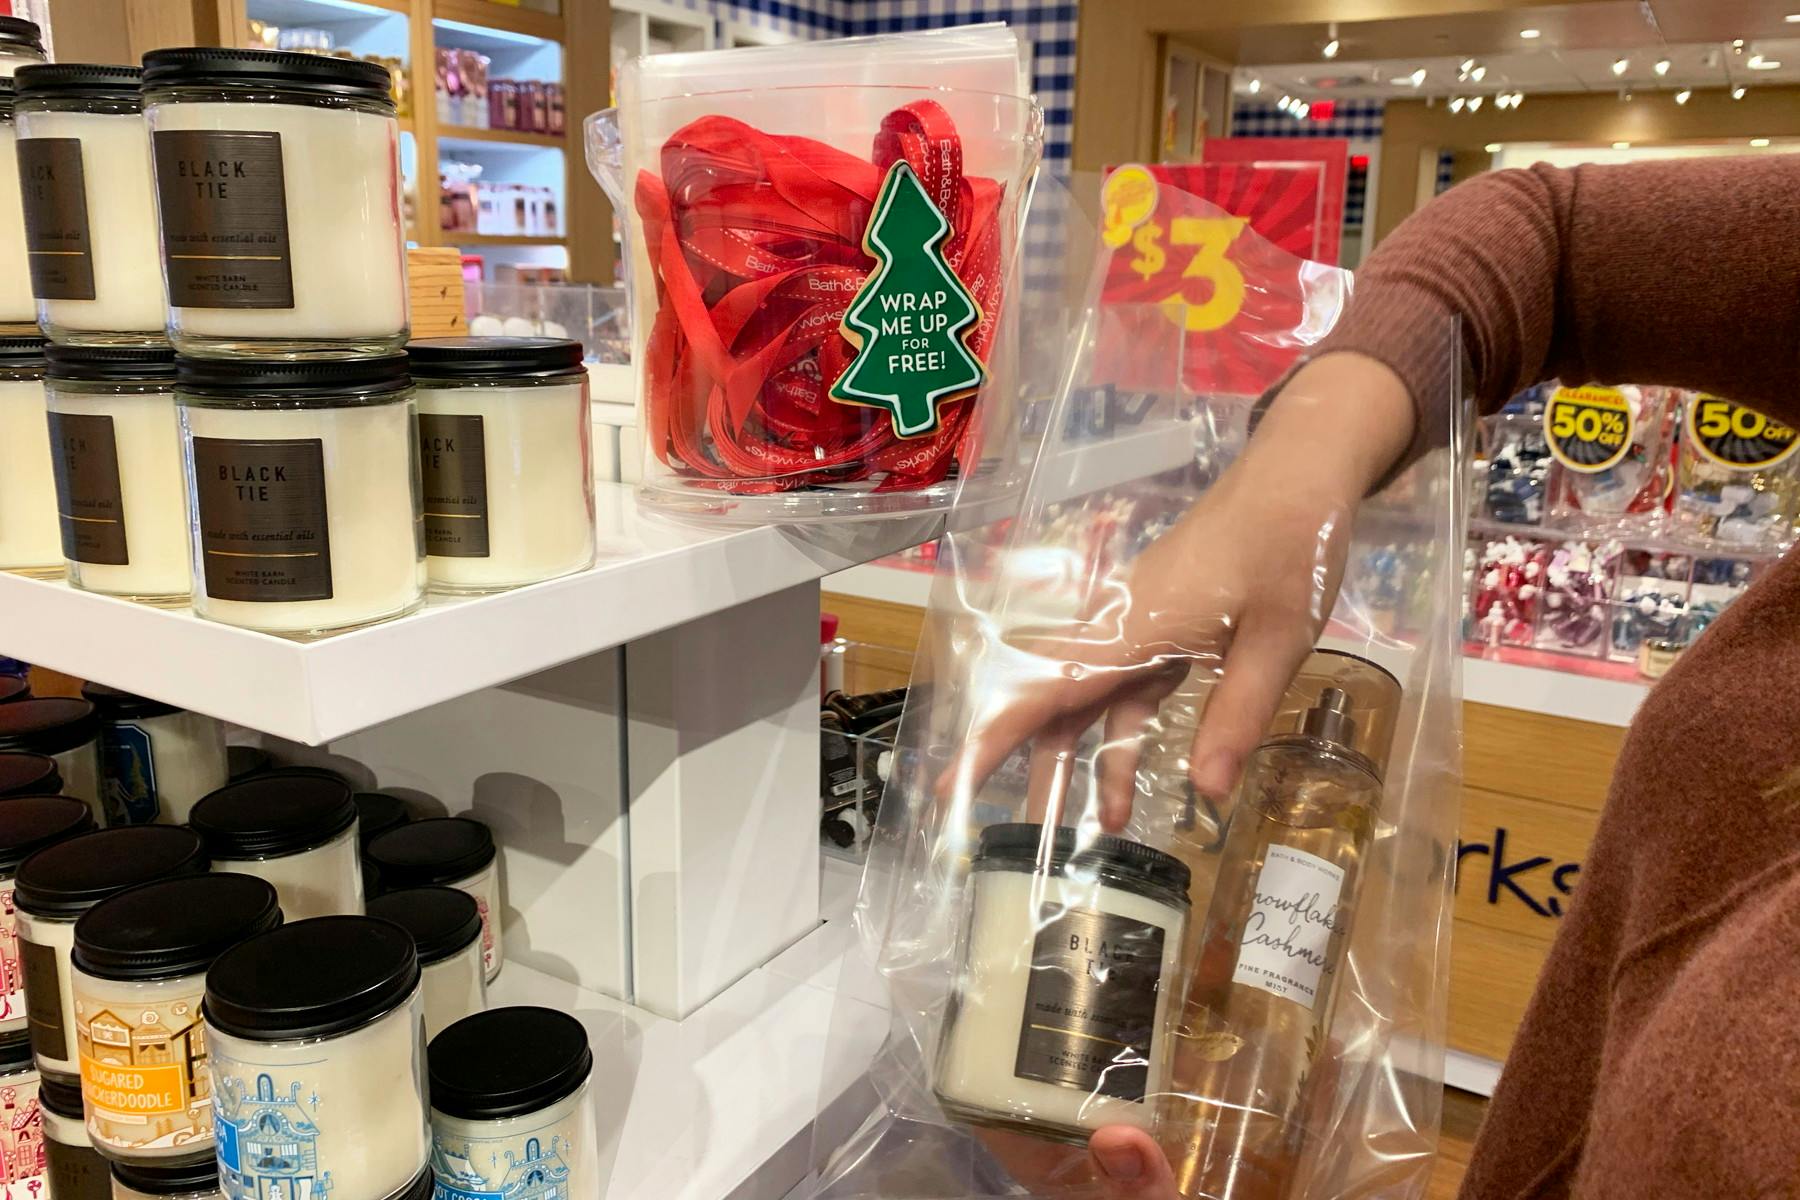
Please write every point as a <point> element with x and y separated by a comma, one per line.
<point>1418,77</point>
<point>1684,95</point>
<point>1759,143</point>
<point>1531,34</point>
<point>1478,74</point>
<point>1757,62</point>
<point>1621,145</point>
<point>1737,45</point>
<point>1792,18</point>
<point>1493,147</point>
<point>1456,104</point>
<point>1283,103</point>
<point>1518,99</point>
<point>1474,103</point>
<point>1255,86</point>
<point>1300,109</point>
<point>1502,101</point>
<point>1466,65</point>
<point>1662,66</point>
<point>1621,65</point>
<point>1331,48</point>
<point>1737,93</point>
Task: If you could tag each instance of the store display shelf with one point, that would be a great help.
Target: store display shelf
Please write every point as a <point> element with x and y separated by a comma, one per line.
<point>326,12</point>
<point>480,24</point>
<point>883,581</point>
<point>499,239</point>
<point>1554,692</point>
<point>504,137</point>
<point>653,575</point>
<point>723,1103</point>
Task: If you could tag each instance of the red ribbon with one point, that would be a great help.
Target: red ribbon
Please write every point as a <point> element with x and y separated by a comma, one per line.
<point>756,244</point>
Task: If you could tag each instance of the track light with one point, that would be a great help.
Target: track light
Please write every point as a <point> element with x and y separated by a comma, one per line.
<point>1331,48</point>
<point>1474,103</point>
<point>1284,102</point>
<point>1300,110</point>
<point>1662,66</point>
<point>1684,95</point>
<point>1759,143</point>
<point>1456,104</point>
<point>1621,65</point>
<point>1418,77</point>
<point>1478,74</point>
<point>1737,93</point>
<point>1255,86</point>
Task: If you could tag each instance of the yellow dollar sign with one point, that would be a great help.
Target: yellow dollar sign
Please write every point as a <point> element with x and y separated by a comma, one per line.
<point>1147,242</point>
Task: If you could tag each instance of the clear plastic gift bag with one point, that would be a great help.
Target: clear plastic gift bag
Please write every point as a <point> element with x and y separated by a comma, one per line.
<point>1072,936</point>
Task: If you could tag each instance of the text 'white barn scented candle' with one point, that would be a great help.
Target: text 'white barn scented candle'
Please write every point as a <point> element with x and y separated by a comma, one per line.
<point>298,831</point>
<point>30,533</point>
<point>115,444</point>
<point>303,479</point>
<point>90,213</point>
<point>503,449</point>
<point>21,44</point>
<point>278,192</point>
<point>453,852</point>
<point>17,307</point>
<point>318,1061</point>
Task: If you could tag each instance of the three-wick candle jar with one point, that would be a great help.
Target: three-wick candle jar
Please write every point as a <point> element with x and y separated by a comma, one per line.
<point>504,458</point>
<point>74,1169</point>
<point>297,831</point>
<point>445,925</point>
<point>318,1061</point>
<point>30,824</point>
<point>278,192</point>
<point>66,730</point>
<point>156,760</point>
<point>90,214</point>
<point>141,960</point>
<point>454,852</point>
<point>54,888</point>
<point>115,442</point>
<point>510,1101</point>
<point>303,478</point>
<point>21,44</point>
<point>1058,1022</point>
<point>30,532</point>
<point>17,307</point>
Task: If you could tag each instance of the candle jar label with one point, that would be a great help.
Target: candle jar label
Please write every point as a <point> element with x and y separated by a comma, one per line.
<point>22,1141</point>
<point>263,533</point>
<point>128,776</point>
<point>144,1075</point>
<point>88,496</point>
<point>1287,937</point>
<point>453,468</point>
<point>56,218</point>
<point>268,1137</point>
<point>222,197</point>
<point>1090,1009</point>
<point>10,964</point>
<point>43,1001</point>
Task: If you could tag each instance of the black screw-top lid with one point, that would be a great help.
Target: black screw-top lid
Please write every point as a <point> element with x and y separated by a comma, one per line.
<point>29,823</point>
<point>420,1188</point>
<point>269,815</point>
<point>114,705</point>
<point>440,850</point>
<point>109,364</point>
<point>83,81</point>
<point>174,926</point>
<point>63,1099</point>
<point>65,880</point>
<point>507,1061</point>
<point>263,70</point>
<point>441,920</point>
<point>21,351</point>
<point>378,812</point>
<point>299,377</point>
<point>49,725</point>
<point>17,31</point>
<point>15,1052</point>
<point>313,978</point>
<point>241,762</point>
<point>170,1179</point>
<point>28,775</point>
<point>1127,861</point>
<point>13,688</point>
<point>494,357</point>
<point>7,90</point>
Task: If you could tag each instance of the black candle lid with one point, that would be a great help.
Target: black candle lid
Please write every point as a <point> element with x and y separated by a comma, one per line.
<point>21,351</point>
<point>115,705</point>
<point>315,377</point>
<point>440,850</point>
<point>29,823</point>
<point>441,920</point>
<point>65,880</point>
<point>15,1052</point>
<point>24,774</point>
<point>168,1179</point>
<point>1017,846</point>
<point>173,927</point>
<point>109,364</point>
<point>420,1188</point>
<point>378,812</point>
<point>81,81</point>
<point>63,1099</point>
<point>13,688</point>
<point>49,725</point>
<point>269,815</point>
<point>507,1061</point>
<point>310,979</point>
<point>17,32</point>
<point>241,762</point>
<point>494,357</point>
<point>263,70</point>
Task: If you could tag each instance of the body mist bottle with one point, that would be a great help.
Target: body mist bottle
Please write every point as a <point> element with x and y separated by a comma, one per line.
<point>1273,943</point>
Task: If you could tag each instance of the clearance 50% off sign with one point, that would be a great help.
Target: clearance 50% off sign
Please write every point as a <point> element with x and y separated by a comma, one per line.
<point>1590,429</point>
<point>1730,435</point>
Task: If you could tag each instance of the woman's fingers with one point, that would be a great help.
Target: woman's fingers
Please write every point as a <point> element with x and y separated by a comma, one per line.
<point>1130,1165</point>
<point>1262,660</point>
<point>1127,723</point>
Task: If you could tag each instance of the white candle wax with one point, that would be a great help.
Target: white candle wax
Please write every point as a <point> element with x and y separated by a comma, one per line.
<point>145,436</point>
<point>16,303</point>
<point>54,942</point>
<point>323,881</point>
<point>346,241</point>
<point>351,1105</point>
<point>80,770</point>
<point>487,1156</point>
<point>186,759</point>
<point>376,566</point>
<point>536,516</point>
<point>11,60</point>
<point>30,533</point>
<point>121,224</point>
<point>454,988</point>
<point>979,1058</point>
<point>144,1076</point>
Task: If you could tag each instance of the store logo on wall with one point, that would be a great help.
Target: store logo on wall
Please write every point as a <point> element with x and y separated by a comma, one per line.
<point>1538,882</point>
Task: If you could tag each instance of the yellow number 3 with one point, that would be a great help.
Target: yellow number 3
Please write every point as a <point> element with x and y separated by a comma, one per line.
<point>1213,236</point>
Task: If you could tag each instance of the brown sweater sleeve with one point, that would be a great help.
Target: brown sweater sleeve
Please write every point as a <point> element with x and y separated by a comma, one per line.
<point>1684,272</point>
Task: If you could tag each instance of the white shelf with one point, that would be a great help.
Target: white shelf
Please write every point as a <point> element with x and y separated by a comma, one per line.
<point>654,574</point>
<point>878,581</point>
<point>1553,693</point>
<point>723,1103</point>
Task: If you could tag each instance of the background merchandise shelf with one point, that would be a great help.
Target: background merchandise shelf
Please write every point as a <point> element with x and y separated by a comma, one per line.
<point>513,137</point>
<point>498,239</point>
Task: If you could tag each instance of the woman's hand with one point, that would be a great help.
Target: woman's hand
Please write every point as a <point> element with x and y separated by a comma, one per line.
<point>1121,1163</point>
<point>1244,581</point>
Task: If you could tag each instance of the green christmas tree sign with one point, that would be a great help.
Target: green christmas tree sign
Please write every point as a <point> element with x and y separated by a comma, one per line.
<point>908,319</point>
